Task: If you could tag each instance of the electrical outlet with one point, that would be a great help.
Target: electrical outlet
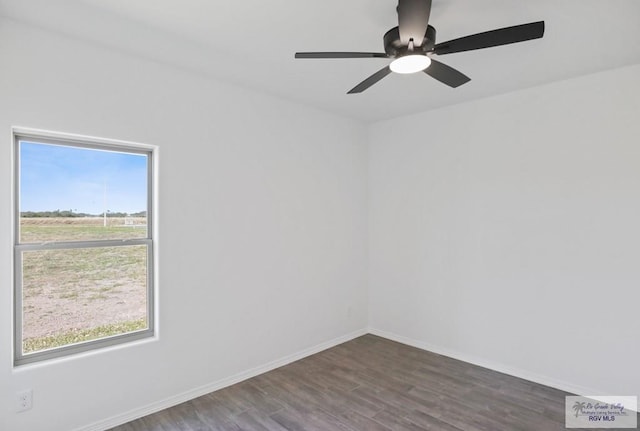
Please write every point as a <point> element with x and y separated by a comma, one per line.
<point>24,400</point>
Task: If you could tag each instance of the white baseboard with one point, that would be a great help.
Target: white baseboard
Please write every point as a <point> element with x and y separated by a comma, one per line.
<point>214,386</point>
<point>495,366</point>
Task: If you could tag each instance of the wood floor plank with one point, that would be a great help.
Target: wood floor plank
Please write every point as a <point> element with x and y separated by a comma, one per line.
<point>309,419</point>
<point>257,421</point>
<point>396,422</point>
<point>369,384</point>
<point>257,398</point>
<point>357,421</point>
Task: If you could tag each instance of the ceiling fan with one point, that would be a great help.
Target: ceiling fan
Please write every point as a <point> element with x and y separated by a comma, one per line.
<point>412,44</point>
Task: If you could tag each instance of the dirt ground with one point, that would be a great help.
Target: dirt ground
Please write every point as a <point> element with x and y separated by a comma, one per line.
<point>54,311</point>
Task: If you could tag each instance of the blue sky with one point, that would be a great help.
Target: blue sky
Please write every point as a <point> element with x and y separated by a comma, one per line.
<point>56,177</point>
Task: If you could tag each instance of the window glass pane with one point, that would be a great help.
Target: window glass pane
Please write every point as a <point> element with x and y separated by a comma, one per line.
<point>77,194</point>
<point>75,295</point>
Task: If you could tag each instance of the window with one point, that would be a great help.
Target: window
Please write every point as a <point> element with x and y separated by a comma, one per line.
<point>83,244</point>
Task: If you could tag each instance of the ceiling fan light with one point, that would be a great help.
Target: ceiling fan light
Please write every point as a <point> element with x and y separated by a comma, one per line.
<point>410,63</point>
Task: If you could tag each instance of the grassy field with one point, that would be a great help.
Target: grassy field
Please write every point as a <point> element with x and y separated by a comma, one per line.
<point>80,335</point>
<point>80,229</point>
<point>74,295</point>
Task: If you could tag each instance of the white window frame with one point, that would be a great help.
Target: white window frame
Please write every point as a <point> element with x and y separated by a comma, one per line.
<point>77,141</point>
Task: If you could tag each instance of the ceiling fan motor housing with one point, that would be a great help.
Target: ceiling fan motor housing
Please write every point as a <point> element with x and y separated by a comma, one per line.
<point>395,48</point>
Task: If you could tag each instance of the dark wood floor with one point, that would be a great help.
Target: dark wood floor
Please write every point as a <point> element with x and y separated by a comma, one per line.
<point>369,384</point>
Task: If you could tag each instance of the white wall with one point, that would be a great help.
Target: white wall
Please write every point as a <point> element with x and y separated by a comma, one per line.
<point>506,232</point>
<point>262,224</point>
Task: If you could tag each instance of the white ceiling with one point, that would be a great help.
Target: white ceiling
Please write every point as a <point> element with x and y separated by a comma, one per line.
<point>252,43</point>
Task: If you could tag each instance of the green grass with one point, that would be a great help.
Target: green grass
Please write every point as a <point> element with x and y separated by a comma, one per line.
<point>78,336</point>
<point>33,233</point>
<point>75,271</point>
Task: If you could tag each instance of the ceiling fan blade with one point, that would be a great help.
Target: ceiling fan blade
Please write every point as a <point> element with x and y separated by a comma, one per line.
<point>413,19</point>
<point>340,55</point>
<point>502,36</point>
<point>446,74</point>
<point>370,80</point>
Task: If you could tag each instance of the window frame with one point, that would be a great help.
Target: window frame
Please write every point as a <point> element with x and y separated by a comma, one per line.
<point>78,141</point>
